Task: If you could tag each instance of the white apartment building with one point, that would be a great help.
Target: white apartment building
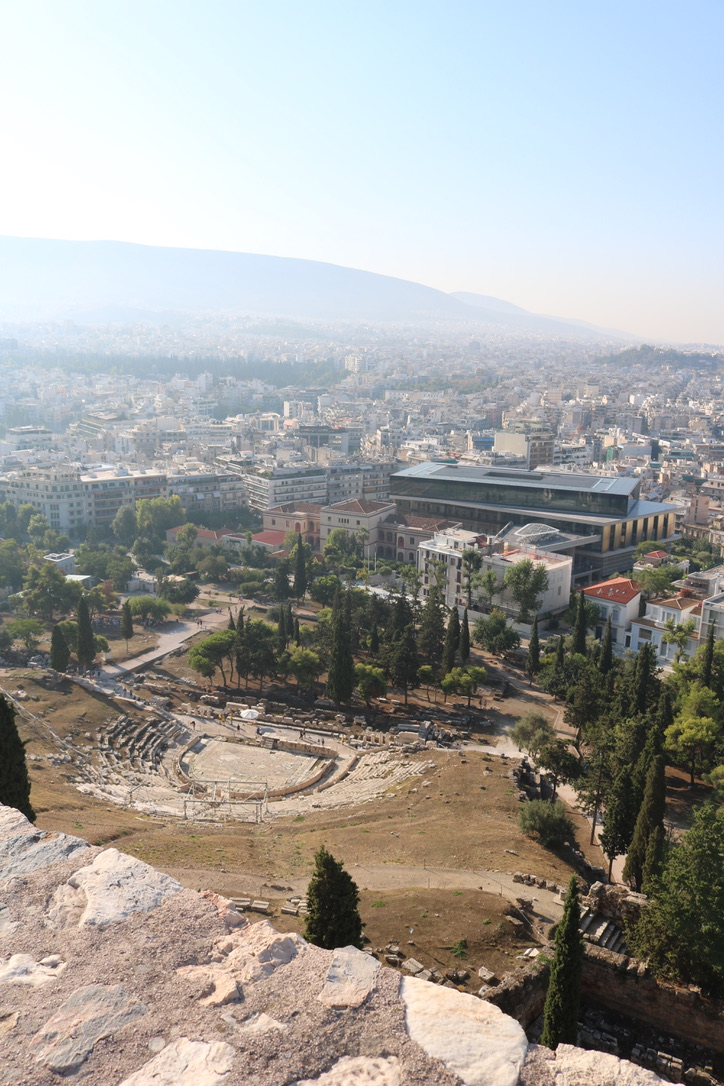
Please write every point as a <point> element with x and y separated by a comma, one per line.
<point>447,548</point>
<point>618,599</point>
<point>652,628</point>
<point>58,494</point>
<point>277,486</point>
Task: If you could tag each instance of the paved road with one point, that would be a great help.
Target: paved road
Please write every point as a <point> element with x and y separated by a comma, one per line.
<point>172,636</point>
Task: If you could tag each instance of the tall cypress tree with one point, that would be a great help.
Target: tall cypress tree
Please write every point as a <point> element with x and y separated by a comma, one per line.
<point>281,631</point>
<point>340,677</point>
<point>14,780</point>
<point>86,650</point>
<point>557,682</point>
<point>431,636</point>
<point>59,651</point>
<point>533,665</point>
<point>708,665</point>
<point>563,998</point>
<point>605,660</point>
<point>452,639</point>
<point>374,644</point>
<point>300,570</point>
<point>231,624</point>
<point>654,862</point>
<point>297,637</point>
<point>579,628</point>
<point>646,683</point>
<point>333,918</point>
<point>464,643</point>
<point>650,817</point>
<point>405,664</point>
<point>618,826</point>
<point>126,622</point>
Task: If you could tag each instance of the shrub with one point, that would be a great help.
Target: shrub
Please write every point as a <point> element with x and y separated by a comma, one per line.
<point>548,820</point>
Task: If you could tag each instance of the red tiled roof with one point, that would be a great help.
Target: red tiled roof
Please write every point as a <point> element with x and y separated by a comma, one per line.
<point>295,507</point>
<point>656,554</point>
<point>271,538</point>
<point>359,505</point>
<point>618,590</point>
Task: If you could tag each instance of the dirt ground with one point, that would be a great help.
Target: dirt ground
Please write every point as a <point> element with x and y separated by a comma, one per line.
<point>426,924</point>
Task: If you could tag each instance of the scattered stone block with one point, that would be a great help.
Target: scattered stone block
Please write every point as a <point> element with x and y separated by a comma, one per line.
<point>486,974</point>
<point>412,966</point>
<point>259,906</point>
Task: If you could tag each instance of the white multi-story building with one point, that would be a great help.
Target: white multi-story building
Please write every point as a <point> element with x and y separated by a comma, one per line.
<point>618,599</point>
<point>277,486</point>
<point>58,494</point>
<point>444,552</point>
<point>665,615</point>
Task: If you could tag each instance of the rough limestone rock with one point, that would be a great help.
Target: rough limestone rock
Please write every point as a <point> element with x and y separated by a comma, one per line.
<point>90,1013</point>
<point>350,978</point>
<point>23,969</point>
<point>474,1039</point>
<point>24,849</point>
<point>186,1063</point>
<point>360,1071</point>
<point>109,889</point>
<point>577,1067</point>
<point>144,983</point>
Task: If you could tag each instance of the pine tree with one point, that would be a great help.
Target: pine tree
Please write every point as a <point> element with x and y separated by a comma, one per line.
<point>618,826</point>
<point>650,816</point>
<point>340,677</point>
<point>579,628</point>
<point>431,636</point>
<point>59,651</point>
<point>605,661</point>
<point>405,663</point>
<point>563,997</point>
<point>86,649</point>
<point>14,780</point>
<point>707,669</point>
<point>300,570</point>
<point>464,643</point>
<point>534,651</point>
<point>452,639</point>
<point>333,918</point>
<point>126,622</point>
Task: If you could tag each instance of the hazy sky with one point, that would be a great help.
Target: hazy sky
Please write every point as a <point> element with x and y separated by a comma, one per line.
<point>566,156</point>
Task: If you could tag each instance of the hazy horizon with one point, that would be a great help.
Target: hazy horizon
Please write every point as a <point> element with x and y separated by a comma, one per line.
<point>561,157</point>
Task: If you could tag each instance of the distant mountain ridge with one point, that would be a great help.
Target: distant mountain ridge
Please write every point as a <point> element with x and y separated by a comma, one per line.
<point>121,282</point>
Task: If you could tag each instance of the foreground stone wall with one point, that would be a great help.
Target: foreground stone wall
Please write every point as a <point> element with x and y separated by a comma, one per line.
<point>616,983</point>
<point>112,973</point>
<point>620,984</point>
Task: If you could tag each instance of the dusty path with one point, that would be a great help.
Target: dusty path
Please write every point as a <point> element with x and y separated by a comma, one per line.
<point>377,877</point>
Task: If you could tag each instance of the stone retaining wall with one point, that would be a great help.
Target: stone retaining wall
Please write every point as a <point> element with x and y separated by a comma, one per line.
<point>616,983</point>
